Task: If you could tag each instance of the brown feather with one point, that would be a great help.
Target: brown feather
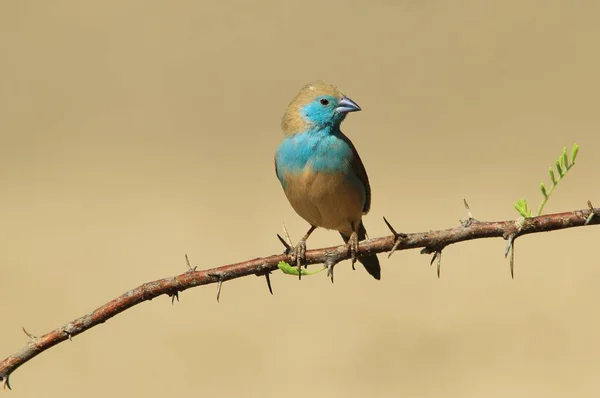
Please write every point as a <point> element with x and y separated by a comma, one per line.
<point>361,172</point>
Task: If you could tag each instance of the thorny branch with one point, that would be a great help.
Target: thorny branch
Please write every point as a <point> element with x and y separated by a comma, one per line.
<point>432,242</point>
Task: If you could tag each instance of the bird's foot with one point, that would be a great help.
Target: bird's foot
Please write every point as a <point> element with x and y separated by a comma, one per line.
<point>299,256</point>
<point>352,246</point>
<point>298,252</point>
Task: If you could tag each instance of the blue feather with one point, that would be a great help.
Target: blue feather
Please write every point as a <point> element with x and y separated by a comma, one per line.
<point>323,150</point>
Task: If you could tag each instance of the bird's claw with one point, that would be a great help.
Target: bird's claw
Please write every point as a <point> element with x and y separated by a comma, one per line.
<point>352,246</point>
<point>299,256</point>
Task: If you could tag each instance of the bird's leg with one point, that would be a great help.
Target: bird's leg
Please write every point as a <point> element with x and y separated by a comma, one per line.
<point>299,253</point>
<point>352,244</point>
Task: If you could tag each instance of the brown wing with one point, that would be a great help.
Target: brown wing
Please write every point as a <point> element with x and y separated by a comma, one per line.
<point>276,173</point>
<point>359,169</point>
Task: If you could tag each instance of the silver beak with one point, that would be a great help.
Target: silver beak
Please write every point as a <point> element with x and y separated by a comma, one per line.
<point>347,105</point>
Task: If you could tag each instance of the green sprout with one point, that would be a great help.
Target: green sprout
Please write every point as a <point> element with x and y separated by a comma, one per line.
<point>521,206</point>
<point>562,167</point>
<point>288,269</point>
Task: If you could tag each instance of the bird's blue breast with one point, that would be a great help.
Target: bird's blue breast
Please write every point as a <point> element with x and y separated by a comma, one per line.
<point>322,150</point>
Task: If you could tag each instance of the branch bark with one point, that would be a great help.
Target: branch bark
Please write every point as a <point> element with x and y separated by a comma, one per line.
<point>432,242</point>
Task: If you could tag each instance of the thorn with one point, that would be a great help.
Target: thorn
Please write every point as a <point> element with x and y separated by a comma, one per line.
<point>390,227</point>
<point>592,214</point>
<point>469,213</point>
<point>330,264</point>
<point>268,278</point>
<point>70,336</point>
<point>287,235</point>
<point>437,255</point>
<point>288,248</point>
<point>398,237</point>
<point>190,269</point>
<point>173,297</point>
<point>267,275</point>
<point>32,337</point>
<point>219,289</point>
<point>5,383</point>
<point>221,278</point>
<point>395,247</point>
<point>470,219</point>
<point>510,247</point>
<point>508,244</point>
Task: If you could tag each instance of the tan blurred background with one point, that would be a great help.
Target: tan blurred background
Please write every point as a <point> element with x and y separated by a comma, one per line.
<point>133,132</point>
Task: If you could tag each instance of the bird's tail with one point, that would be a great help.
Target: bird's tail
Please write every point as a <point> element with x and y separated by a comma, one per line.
<point>370,261</point>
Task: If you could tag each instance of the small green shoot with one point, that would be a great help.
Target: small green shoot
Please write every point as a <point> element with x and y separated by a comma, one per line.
<point>288,269</point>
<point>562,167</point>
<point>521,206</point>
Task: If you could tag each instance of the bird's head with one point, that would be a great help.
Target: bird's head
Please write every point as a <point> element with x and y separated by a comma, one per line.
<point>318,105</point>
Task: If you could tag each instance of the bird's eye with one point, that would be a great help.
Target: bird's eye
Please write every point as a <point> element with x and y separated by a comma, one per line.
<point>324,102</point>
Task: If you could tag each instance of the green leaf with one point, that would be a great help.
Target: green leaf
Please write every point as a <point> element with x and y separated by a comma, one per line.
<point>552,176</point>
<point>574,153</point>
<point>288,269</point>
<point>565,159</point>
<point>521,206</point>
<point>543,189</point>
<point>561,161</point>
<point>562,167</point>
<point>558,168</point>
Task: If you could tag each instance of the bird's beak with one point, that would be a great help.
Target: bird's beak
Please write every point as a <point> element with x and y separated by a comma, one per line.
<point>347,105</point>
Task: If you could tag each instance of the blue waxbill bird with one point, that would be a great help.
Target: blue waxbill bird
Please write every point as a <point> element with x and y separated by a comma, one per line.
<point>320,170</point>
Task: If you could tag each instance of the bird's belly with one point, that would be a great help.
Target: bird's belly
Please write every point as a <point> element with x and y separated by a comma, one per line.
<point>327,200</point>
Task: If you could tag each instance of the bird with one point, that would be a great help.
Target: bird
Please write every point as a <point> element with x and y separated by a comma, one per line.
<point>320,171</point>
